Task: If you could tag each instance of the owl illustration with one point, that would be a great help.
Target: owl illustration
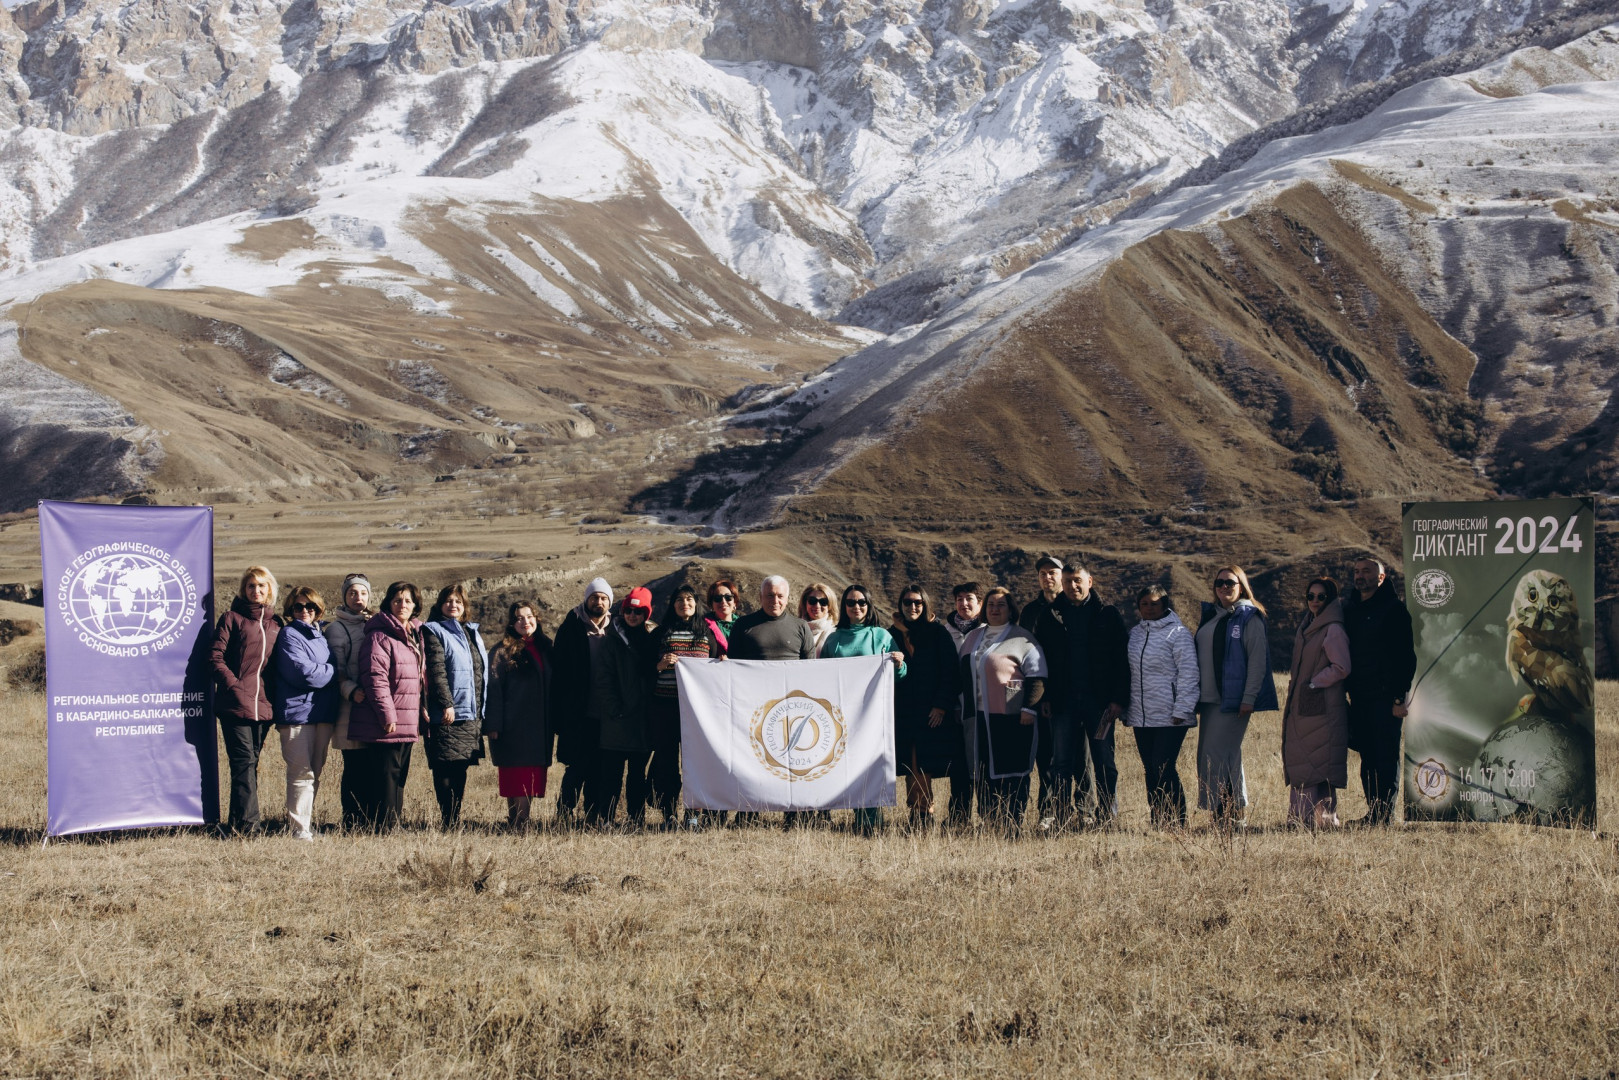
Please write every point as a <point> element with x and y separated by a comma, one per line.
<point>1544,649</point>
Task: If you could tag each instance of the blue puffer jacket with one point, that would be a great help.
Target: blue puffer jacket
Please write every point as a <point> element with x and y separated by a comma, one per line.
<point>456,643</point>
<point>304,687</point>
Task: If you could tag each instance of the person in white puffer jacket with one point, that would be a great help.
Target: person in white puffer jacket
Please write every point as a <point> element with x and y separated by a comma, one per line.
<point>1164,685</point>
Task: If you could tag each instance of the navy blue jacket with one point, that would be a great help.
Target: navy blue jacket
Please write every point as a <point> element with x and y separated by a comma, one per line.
<point>304,689</point>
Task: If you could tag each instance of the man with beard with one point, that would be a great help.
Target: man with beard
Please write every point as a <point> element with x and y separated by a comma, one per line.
<point>1382,663</point>
<point>580,673</point>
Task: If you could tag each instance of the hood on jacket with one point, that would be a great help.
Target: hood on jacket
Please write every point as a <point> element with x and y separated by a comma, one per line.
<point>309,630</point>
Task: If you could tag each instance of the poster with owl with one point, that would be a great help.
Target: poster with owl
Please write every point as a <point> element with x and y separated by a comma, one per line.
<point>1502,721</point>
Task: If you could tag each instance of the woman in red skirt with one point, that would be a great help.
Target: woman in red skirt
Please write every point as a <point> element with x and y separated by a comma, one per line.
<point>516,722</point>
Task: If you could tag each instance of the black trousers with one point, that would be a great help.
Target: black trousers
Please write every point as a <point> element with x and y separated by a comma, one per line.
<point>1375,733</point>
<point>1160,749</point>
<point>449,787</point>
<point>244,740</point>
<point>601,805</point>
<point>578,782</point>
<point>663,776</point>
<point>963,786</point>
<point>1101,780</point>
<point>354,789</point>
<point>384,768</point>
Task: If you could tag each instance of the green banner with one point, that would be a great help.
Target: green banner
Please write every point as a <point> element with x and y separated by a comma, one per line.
<point>1503,711</point>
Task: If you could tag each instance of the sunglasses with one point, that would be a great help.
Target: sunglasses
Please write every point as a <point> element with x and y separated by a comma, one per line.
<point>1314,596</point>
<point>856,603</point>
<point>817,601</point>
<point>911,602</point>
<point>1226,583</point>
<point>307,607</point>
<point>721,598</point>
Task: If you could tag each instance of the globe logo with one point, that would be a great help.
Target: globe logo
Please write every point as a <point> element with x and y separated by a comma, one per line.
<point>128,598</point>
<point>1433,588</point>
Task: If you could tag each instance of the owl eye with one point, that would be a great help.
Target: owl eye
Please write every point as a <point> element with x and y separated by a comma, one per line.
<point>1551,601</point>
<point>1533,596</point>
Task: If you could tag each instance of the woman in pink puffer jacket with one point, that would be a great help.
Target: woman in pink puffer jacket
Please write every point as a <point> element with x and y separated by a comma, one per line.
<point>386,722</point>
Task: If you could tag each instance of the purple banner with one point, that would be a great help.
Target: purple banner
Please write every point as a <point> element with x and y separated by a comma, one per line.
<point>129,699</point>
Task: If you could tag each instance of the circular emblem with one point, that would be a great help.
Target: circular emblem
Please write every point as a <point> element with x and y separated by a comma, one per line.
<point>1433,588</point>
<point>798,737</point>
<point>136,595</point>
<point>1432,779</point>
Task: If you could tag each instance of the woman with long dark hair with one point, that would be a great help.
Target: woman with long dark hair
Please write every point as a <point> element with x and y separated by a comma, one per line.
<point>927,736</point>
<point>1235,681</point>
<point>517,717</point>
<point>682,635</point>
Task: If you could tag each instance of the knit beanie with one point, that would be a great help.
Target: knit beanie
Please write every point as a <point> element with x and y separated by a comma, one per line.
<point>599,585</point>
<point>355,579</point>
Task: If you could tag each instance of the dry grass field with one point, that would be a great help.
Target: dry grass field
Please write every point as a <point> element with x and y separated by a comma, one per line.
<point>1478,951</point>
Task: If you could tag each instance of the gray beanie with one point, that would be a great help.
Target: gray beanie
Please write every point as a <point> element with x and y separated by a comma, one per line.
<point>599,585</point>
<point>355,579</point>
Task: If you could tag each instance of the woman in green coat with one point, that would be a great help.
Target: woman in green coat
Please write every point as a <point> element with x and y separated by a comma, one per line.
<point>860,634</point>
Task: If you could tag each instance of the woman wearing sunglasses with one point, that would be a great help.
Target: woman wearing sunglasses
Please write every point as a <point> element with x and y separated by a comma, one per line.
<point>304,700</point>
<point>815,608</point>
<point>724,608</point>
<point>1315,724</point>
<point>858,634</point>
<point>1233,663</point>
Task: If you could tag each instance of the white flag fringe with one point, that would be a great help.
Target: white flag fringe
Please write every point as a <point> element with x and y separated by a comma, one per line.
<point>787,734</point>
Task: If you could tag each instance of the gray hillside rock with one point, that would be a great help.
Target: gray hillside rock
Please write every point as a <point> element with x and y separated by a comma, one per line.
<point>62,440</point>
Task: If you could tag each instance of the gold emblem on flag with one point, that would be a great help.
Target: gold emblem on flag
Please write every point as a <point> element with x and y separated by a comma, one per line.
<point>798,737</point>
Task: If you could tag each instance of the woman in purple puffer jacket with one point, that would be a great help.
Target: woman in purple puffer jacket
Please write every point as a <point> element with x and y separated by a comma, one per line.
<point>392,670</point>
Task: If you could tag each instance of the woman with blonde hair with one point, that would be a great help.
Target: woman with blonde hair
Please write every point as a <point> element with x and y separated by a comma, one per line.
<point>304,699</point>
<point>1235,681</point>
<point>243,643</point>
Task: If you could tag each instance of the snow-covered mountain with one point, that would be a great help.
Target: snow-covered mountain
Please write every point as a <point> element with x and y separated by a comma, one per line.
<point>350,205</point>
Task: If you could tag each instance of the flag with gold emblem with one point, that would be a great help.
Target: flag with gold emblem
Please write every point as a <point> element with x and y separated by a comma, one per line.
<point>787,734</point>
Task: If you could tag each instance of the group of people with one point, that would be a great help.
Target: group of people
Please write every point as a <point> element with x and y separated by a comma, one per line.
<point>987,695</point>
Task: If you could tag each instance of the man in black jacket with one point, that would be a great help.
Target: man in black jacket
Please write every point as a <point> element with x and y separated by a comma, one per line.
<point>1382,663</point>
<point>580,642</point>
<point>1057,743</point>
<point>1097,688</point>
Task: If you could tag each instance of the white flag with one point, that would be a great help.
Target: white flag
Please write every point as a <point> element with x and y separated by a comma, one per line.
<point>787,734</point>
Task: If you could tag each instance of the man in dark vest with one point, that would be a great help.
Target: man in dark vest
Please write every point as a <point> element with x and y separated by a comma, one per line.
<point>1097,687</point>
<point>1382,663</point>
